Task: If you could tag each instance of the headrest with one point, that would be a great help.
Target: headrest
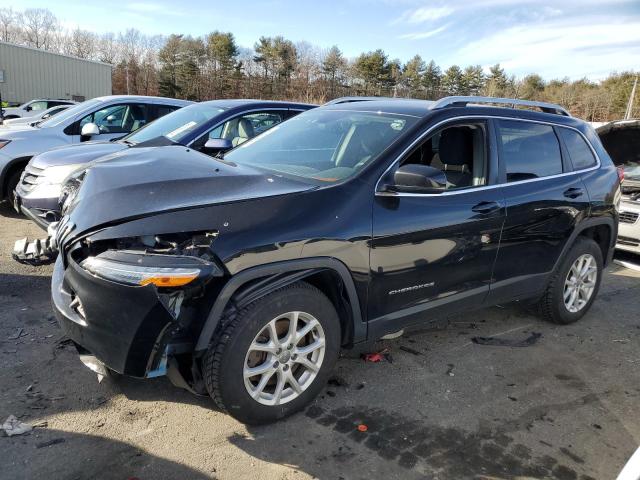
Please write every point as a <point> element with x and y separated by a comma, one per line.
<point>456,147</point>
<point>245,128</point>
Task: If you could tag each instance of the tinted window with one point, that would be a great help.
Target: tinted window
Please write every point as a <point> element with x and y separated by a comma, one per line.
<point>579,152</point>
<point>529,150</point>
<point>162,110</point>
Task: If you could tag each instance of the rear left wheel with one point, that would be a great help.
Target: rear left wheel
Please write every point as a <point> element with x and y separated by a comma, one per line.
<point>275,356</point>
<point>575,283</point>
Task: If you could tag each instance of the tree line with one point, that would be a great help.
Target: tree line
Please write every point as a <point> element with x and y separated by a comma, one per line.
<point>215,66</point>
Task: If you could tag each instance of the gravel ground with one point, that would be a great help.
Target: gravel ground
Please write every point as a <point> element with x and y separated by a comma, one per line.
<point>444,408</point>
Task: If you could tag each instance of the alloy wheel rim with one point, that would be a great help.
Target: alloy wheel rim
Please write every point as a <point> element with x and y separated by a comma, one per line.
<point>580,283</point>
<point>284,358</point>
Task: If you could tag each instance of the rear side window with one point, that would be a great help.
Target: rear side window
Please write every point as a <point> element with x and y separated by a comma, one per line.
<point>579,152</point>
<point>529,150</point>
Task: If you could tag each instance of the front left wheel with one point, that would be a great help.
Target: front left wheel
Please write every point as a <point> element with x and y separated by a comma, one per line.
<point>275,356</point>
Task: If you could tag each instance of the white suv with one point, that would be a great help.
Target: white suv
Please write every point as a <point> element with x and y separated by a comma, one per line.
<point>102,118</point>
<point>32,108</point>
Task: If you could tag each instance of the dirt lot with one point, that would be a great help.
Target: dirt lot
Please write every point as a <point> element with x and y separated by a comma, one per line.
<point>445,408</point>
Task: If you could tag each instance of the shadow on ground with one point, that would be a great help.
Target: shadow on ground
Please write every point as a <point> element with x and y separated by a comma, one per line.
<point>48,453</point>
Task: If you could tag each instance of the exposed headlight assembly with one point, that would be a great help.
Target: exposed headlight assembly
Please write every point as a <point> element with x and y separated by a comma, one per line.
<point>144,269</point>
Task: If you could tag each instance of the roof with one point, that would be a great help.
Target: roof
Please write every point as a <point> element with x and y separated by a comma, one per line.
<point>237,102</point>
<point>40,50</point>
<point>129,98</point>
<point>399,106</point>
<point>477,106</point>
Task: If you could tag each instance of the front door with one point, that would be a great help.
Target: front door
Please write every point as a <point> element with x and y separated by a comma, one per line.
<point>434,253</point>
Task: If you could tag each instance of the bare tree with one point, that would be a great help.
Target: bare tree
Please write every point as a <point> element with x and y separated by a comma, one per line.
<point>39,27</point>
<point>108,48</point>
<point>9,30</point>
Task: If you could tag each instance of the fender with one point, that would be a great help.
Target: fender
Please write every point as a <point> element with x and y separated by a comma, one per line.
<point>582,226</point>
<point>280,274</point>
<point>6,169</point>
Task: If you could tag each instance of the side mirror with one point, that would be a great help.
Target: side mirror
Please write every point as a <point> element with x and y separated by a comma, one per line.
<point>414,178</point>
<point>28,108</point>
<point>217,145</point>
<point>90,130</point>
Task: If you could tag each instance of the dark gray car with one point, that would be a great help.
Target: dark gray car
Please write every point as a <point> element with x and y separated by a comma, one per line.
<point>235,121</point>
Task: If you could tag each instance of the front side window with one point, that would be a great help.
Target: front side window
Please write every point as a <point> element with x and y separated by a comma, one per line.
<point>324,146</point>
<point>579,152</point>
<point>529,150</point>
<point>459,151</point>
<point>245,127</point>
<point>70,113</point>
<point>177,125</point>
<point>118,118</point>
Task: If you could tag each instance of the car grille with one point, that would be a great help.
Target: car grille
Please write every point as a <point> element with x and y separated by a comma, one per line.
<point>629,217</point>
<point>628,241</point>
<point>30,177</point>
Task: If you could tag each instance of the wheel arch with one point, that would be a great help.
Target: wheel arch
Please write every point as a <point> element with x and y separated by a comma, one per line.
<point>8,170</point>
<point>328,274</point>
<point>603,230</point>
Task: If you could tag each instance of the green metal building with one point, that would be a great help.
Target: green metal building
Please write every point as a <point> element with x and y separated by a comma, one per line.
<point>27,73</point>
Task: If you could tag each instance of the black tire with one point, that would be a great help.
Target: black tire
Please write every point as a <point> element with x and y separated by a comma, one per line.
<point>223,363</point>
<point>12,183</point>
<point>552,306</point>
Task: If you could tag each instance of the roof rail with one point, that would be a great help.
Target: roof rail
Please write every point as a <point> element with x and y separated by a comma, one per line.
<point>464,101</point>
<point>338,101</point>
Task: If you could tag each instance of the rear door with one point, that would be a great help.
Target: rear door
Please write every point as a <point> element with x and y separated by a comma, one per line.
<point>434,253</point>
<point>545,199</point>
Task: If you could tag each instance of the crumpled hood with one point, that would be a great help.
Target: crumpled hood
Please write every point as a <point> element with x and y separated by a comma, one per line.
<point>76,154</point>
<point>140,182</point>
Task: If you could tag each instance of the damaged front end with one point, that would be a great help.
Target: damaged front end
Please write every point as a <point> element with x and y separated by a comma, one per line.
<point>133,304</point>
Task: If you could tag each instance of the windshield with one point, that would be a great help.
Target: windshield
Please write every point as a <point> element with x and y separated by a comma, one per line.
<point>69,113</point>
<point>176,125</point>
<point>323,145</point>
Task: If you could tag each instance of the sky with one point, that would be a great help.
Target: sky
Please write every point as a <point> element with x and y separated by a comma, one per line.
<point>568,38</point>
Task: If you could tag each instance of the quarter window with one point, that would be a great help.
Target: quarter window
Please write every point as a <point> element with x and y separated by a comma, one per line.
<point>579,152</point>
<point>529,150</point>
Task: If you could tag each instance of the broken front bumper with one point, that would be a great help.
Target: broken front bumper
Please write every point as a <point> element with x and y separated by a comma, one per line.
<point>126,328</point>
<point>37,252</point>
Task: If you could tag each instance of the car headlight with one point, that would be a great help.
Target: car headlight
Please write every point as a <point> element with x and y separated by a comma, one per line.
<point>141,269</point>
<point>56,175</point>
<point>4,143</point>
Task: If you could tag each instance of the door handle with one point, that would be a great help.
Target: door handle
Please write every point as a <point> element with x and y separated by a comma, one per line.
<point>486,207</point>
<point>573,192</point>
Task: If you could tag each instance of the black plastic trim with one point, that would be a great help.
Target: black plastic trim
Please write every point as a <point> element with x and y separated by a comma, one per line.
<point>296,269</point>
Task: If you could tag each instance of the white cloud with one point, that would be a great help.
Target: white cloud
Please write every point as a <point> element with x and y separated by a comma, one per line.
<point>422,35</point>
<point>558,49</point>
<point>424,14</point>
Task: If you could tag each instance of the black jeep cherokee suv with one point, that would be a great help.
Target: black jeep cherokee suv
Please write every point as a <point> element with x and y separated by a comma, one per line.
<point>243,276</point>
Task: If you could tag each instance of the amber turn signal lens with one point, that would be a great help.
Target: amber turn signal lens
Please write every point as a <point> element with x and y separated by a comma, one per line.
<point>169,281</point>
